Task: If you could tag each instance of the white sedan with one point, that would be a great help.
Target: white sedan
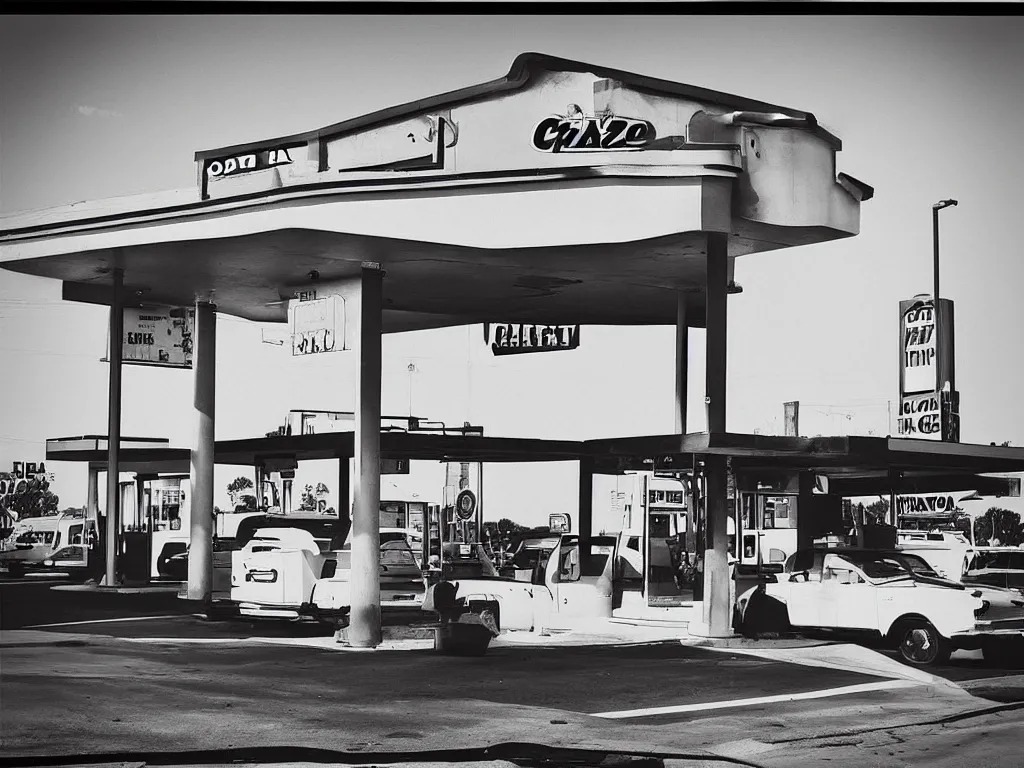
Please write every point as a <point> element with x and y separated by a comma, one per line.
<point>879,593</point>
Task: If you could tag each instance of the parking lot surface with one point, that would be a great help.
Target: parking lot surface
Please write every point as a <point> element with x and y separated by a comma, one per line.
<point>99,673</point>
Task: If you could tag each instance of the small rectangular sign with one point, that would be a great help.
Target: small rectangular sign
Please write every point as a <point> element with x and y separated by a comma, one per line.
<point>521,338</point>
<point>394,466</point>
<point>317,324</point>
<point>160,336</point>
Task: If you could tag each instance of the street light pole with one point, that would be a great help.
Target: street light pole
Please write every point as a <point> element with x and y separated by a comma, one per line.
<point>935,273</point>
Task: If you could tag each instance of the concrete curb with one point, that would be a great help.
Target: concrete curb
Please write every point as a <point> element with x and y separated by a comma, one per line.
<point>153,589</point>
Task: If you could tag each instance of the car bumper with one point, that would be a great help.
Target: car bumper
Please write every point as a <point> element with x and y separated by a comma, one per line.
<point>976,638</point>
<point>257,611</point>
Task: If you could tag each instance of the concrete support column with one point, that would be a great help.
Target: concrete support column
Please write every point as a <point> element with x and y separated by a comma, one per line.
<point>717,607</point>
<point>682,363</point>
<point>717,614</point>
<point>364,628</point>
<point>344,488</point>
<point>204,373</point>
<point>586,507</point>
<point>113,528</point>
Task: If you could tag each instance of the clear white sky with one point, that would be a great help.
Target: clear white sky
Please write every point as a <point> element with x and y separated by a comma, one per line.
<point>927,108</point>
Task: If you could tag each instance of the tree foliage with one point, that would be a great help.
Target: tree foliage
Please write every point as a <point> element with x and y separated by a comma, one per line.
<point>240,483</point>
<point>998,527</point>
<point>33,498</point>
<point>875,513</point>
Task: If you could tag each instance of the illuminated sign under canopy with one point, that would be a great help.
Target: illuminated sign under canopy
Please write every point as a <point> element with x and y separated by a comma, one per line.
<point>520,338</point>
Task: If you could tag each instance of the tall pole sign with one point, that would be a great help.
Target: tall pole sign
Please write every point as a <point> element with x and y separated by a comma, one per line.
<point>929,401</point>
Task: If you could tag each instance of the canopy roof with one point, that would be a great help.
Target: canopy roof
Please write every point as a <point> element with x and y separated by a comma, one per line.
<point>854,466</point>
<point>472,217</point>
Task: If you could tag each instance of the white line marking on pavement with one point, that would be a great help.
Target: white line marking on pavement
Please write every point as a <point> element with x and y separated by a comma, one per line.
<point>101,621</point>
<point>886,685</point>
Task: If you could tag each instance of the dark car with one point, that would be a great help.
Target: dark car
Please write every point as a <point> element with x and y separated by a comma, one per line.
<point>996,567</point>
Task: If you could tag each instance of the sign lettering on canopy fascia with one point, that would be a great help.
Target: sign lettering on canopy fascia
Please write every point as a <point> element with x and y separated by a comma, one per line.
<point>928,503</point>
<point>317,323</point>
<point>158,336</point>
<point>521,338</point>
<point>248,162</point>
<point>577,132</point>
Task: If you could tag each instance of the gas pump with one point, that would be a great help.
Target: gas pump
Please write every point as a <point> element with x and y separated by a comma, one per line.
<point>767,530</point>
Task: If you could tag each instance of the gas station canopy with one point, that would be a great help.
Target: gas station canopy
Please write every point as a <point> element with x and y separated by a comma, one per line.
<point>561,193</point>
<point>851,466</point>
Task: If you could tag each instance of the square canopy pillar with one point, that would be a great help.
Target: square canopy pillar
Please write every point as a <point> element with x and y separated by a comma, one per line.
<point>204,372</point>
<point>365,625</point>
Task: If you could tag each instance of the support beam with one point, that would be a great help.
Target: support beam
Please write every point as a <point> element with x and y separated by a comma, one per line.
<point>717,608</point>
<point>204,373</point>
<point>682,363</point>
<point>717,316</point>
<point>365,630</point>
<point>806,523</point>
<point>586,507</point>
<point>113,527</point>
<point>144,522</point>
<point>94,561</point>
<point>344,488</point>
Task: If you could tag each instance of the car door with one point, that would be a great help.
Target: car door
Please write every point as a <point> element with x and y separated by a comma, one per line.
<point>851,597</point>
<point>810,603</point>
<point>580,590</point>
<point>74,552</point>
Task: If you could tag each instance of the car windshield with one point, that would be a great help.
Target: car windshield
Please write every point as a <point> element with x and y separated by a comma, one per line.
<point>35,537</point>
<point>918,565</point>
<point>877,566</point>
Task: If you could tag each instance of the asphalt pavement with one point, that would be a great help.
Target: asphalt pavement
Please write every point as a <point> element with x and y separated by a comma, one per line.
<point>97,673</point>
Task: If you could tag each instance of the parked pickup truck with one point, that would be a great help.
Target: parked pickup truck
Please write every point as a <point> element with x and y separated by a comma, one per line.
<point>474,603</point>
<point>290,574</point>
<point>882,594</point>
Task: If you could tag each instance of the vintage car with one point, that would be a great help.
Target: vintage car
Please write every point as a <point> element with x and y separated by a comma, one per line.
<point>474,603</point>
<point>55,543</point>
<point>291,574</point>
<point>996,567</point>
<point>887,595</point>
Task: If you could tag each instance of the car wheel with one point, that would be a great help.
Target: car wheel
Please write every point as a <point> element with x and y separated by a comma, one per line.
<point>15,570</point>
<point>920,644</point>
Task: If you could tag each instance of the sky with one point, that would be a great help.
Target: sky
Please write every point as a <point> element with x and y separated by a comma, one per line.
<point>104,106</point>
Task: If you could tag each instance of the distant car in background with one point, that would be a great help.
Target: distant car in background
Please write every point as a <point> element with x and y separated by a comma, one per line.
<point>996,567</point>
